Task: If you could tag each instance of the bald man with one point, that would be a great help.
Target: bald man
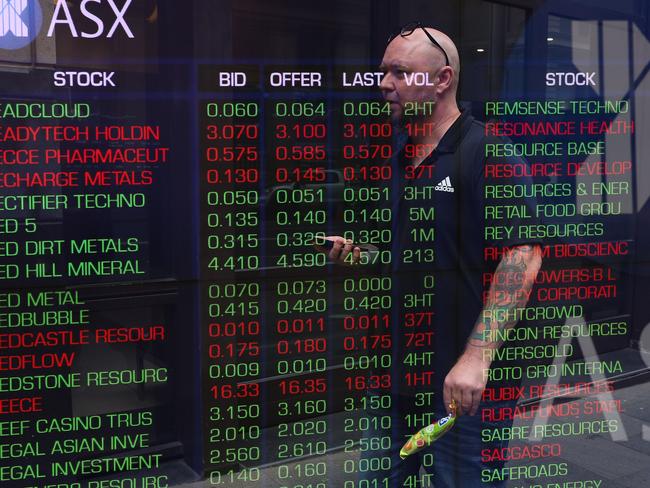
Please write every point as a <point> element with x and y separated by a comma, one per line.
<point>415,53</point>
<point>451,156</point>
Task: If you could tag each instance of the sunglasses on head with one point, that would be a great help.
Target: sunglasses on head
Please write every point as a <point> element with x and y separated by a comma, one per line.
<point>410,28</point>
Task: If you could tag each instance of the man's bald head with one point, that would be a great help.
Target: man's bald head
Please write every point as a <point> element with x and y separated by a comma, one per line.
<point>407,55</point>
<point>450,48</point>
<point>423,46</point>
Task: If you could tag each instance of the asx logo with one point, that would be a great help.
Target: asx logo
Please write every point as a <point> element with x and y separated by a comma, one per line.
<point>62,15</point>
<point>21,20</point>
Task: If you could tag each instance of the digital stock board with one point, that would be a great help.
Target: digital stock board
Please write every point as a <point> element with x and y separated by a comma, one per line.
<point>365,244</point>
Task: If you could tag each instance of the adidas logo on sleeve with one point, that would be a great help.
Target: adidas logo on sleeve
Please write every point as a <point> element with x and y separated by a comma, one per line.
<point>445,185</point>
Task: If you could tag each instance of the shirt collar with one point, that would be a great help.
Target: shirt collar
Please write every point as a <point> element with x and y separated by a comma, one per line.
<point>450,141</point>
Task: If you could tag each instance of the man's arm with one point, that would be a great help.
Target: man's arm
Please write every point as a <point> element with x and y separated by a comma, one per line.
<point>511,286</point>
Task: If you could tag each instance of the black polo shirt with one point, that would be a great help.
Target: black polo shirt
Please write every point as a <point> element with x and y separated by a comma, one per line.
<point>445,194</point>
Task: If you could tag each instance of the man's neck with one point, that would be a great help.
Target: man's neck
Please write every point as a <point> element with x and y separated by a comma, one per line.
<point>436,126</point>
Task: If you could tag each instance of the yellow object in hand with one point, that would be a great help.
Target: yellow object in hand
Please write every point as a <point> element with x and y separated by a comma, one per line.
<point>429,434</point>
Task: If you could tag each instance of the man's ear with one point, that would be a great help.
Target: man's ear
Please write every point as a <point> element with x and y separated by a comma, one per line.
<point>445,78</point>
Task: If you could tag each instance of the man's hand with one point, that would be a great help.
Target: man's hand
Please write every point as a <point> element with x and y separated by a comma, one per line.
<point>466,381</point>
<point>340,250</point>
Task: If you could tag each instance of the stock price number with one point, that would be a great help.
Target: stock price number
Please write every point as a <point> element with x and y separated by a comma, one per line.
<point>239,390</point>
<point>302,428</point>
<point>234,263</point>
<point>300,326</point>
<point>367,302</point>
<point>364,424</point>
<point>229,477</point>
<point>303,386</point>
<point>300,175</point>
<point>299,195</point>
<point>307,345</point>
<point>301,366</point>
<point>235,290</point>
<point>363,382</point>
<point>366,322</point>
<point>232,132</point>
<point>233,219</point>
<point>366,444</point>
<point>302,260</point>
<point>300,153</point>
<point>232,109</point>
<point>365,109</point>
<point>302,407</point>
<point>301,305</point>
<point>362,215</point>
<point>299,449</point>
<point>365,194</point>
<point>368,151</point>
<point>299,109</point>
<point>235,454</point>
<point>301,131</point>
<point>373,129</point>
<point>367,173</point>
<point>368,402</point>
<point>233,329</point>
<point>233,197</point>
<point>298,217</point>
<point>232,175</point>
<point>232,309</point>
<point>369,236</point>
<point>233,241</point>
<point>234,350</point>
<point>231,412</point>
<point>303,470</point>
<point>234,370</point>
<point>367,342</point>
<point>291,239</point>
<point>242,433</point>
